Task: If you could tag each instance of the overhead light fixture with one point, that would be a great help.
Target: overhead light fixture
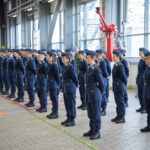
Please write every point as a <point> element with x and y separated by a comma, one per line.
<point>14,16</point>
<point>30,9</point>
<point>50,1</point>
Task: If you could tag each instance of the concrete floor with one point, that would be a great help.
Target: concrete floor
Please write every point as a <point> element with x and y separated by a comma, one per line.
<point>28,130</point>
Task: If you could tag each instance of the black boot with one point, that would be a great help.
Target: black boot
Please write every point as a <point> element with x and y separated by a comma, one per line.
<point>16,99</point>
<point>80,107</point>
<point>95,135</point>
<point>12,95</point>
<point>139,110</point>
<point>70,123</point>
<point>103,112</point>
<point>120,120</point>
<point>143,110</point>
<point>39,108</point>
<point>64,122</point>
<point>114,119</point>
<point>89,133</point>
<point>53,115</point>
<point>30,104</point>
<point>20,99</point>
<point>43,109</point>
<point>146,129</point>
<point>6,92</point>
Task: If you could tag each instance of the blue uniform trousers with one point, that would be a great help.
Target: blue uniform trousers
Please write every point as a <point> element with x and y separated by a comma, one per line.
<point>104,96</point>
<point>42,90</point>
<point>54,98</point>
<point>70,104</point>
<point>30,82</point>
<point>19,82</point>
<point>141,95</point>
<point>6,80</point>
<point>94,98</point>
<point>83,94</point>
<point>12,80</point>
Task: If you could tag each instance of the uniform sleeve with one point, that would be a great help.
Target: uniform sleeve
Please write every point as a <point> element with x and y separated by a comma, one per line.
<point>125,63</point>
<point>104,69</point>
<point>33,67</point>
<point>108,67</point>
<point>85,66</point>
<point>99,78</point>
<point>73,75</point>
<point>56,73</point>
<point>123,74</point>
<point>21,65</point>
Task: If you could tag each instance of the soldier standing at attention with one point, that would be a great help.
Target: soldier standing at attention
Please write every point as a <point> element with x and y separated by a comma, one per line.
<point>147,91</point>
<point>11,73</point>
<point>19,69</point>
<point>42,82</point>
<point>125,64</point>
<point>70,82</point>
<point>119,84</point>
<point>103,66</point>
<point>81,76</point>
<point>30,72</point>
<point>1,73</point>
<point>53,83</point>
<point>94,89</point>
<point>5,72</point>
<point>140,79</point>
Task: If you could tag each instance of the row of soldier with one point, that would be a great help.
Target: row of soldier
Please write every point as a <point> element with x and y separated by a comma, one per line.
<point>52,71</point>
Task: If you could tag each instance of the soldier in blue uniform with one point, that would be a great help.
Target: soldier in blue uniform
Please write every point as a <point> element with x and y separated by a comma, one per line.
<point>94,89</point>
<point>81,76</point>
<point>53,83</point>
<point>70,82</point>
<point>147,91</point>
<point>42,82</point>
<point>11,73</point>
<point>140,79</point>
<point>1,73</point>
<point>19,69</point>
<point>5,73</point>
<point>30,72</point>
<point>73,61</point>
<point>103,66</point>
<point>59,54</point>
<point>119,83</point>
<point>125,63</point>
<point>109,72</point>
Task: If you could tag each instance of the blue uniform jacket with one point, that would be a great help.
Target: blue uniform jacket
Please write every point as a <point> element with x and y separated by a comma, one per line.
<point>53,75</point>
<point>141,69</point>
<point>70,80</point>
<point>147,83</point>
<point>119,77</point>
<point>108,66</point>
<point>31,66</point>
<point>41,70</point>
<point>125,64</point>
<point>103,66</point>
<point>19,66</point>
<point>94,77</point>
<point>82,71</point>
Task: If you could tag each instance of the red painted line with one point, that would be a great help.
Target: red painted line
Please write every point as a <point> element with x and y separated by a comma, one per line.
<point>15,102</point>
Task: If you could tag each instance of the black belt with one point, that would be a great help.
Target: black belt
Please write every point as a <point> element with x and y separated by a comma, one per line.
<point>146,84</point>
<point>91,85</point>
<point>51,77</point>
<point>67,81</point>
<point>117,80</point>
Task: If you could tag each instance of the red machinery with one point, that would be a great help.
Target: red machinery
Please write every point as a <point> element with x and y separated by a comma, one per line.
<point>109,30</point>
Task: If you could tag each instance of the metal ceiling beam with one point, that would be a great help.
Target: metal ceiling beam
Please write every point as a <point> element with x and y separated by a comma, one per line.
<point>52,24</point>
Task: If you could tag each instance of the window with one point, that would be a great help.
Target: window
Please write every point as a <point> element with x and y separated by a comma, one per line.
<point>57,39</point>
<point>89,26</point>
<point>18,36</point>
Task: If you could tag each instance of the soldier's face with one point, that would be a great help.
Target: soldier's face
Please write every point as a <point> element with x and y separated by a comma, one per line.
<point>141,54</point>
<point>58,54</point>
<point>81,56</point>
<point>147,60</point>
<point>48,58</point>
<point>8,54</point>
<point>40,57</point>
<point>89,59</point>
<point>65,60</point>
<point>100,55</point>
<point>115,58</point>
